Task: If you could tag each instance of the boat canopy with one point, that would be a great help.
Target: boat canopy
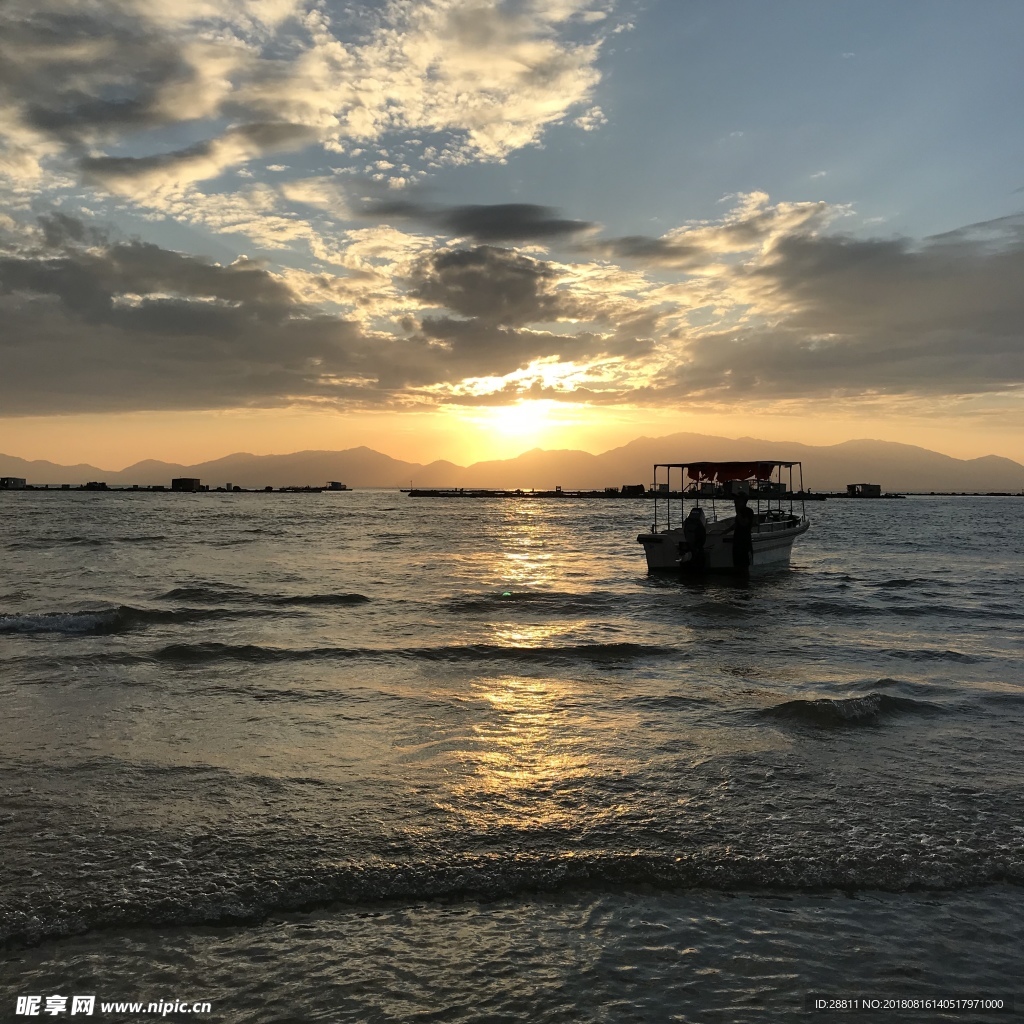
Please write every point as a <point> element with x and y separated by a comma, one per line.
<point>723,471</point>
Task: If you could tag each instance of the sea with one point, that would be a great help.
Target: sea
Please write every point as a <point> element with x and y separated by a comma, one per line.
<point>358,756</point>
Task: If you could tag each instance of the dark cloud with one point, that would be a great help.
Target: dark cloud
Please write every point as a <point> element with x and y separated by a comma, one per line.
<point>60,230</point>
<point>235,144</point>
<point>772,364</point>
<point>473,345</point>
<point>878,316</point>
<point>87,282</point>
<point>128,325</point>
<point>656,251</point>
<point>891,289</point>
<point>79,75</point>
<point>97,324</point>
<point>173,355</point>
<point>496,294</point>
<point>494,286</point>
<point>500,222</point>
<point>72,115</point>
<point>509,222</point>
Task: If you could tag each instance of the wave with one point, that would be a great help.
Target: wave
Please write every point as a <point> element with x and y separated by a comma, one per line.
<point>831,713</point>
<point>609,654</point>
<point>842,608</point>
<point>490,877</point>
<point>103,621</point>
<point>221,593</point>
<point>205,592</point>
<point>999,697</point>
<point>552,602</point>
<point>38,543</point>
<point>204,653</point>
<point>902,583</point>
<point>929,654</point>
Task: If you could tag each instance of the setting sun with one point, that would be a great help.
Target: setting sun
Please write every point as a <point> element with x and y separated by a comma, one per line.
<point>505,431</point>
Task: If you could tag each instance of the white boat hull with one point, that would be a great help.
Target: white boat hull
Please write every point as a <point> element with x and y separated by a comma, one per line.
<point>667,551</point>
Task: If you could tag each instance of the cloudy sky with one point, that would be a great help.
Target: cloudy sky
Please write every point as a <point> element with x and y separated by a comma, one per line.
<point>464,228</point>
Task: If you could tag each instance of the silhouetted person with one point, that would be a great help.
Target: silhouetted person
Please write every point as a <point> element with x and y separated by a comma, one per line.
<point>696,534</point>
<point>742,536</point>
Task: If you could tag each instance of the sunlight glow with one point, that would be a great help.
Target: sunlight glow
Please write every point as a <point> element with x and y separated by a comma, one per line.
<point>504,431</point>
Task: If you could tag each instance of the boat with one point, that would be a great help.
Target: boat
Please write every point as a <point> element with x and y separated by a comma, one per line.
<point>707,494</point>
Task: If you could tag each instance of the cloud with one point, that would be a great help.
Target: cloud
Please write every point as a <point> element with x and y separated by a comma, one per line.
<point>323,193</point>
<point>769,306</point>
<point>165,171</point>
<point>253,211</point>
<point>92,86</point>
<point>497,293</point>
<point>839,316</point>
<point>89,281</point>
<point>494,74</point>
<point>129,325</point>
<point>591,120</point>
<point>77,75</point>
<point>752,225</point>
<point>494,286</point>
<point>500,222</point>
<point>59,229</point>
<point>98,324</point>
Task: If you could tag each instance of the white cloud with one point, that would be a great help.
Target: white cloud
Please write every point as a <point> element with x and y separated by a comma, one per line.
<point>324,193</point>
<point>253,212</point>
<point>591,120</point>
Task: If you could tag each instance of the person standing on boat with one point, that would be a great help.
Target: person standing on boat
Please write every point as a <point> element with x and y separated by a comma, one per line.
<point>742,536</point>
<point>696,534</point>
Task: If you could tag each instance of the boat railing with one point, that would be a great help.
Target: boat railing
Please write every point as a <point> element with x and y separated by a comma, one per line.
<point>771,489</point>
<point>774,525</point>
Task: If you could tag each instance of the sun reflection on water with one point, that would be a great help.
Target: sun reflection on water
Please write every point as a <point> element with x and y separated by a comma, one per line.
<point>535,750</point>
<point>531,635</point>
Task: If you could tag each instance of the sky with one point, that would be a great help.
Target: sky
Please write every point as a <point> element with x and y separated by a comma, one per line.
<point>466,228</point>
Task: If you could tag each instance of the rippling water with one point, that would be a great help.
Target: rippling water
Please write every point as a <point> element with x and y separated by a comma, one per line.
<point>462,760</point>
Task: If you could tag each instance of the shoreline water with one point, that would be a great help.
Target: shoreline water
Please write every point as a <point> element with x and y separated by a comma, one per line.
<point>485,730</point>
<point>634,955</point>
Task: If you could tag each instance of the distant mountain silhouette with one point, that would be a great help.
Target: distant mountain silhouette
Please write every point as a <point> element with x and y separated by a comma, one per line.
<point>897,467</point>
<point>39,471</point>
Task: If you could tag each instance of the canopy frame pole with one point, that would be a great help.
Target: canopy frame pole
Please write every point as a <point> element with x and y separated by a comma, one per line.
<point>668,500</point>
<point>682,498</point>
<point>655,497</point>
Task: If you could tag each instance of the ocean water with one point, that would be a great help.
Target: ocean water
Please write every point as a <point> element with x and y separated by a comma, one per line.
<point>362,757</point>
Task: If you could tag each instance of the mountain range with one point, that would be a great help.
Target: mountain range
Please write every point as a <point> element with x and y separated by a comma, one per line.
<point>897,467</point>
